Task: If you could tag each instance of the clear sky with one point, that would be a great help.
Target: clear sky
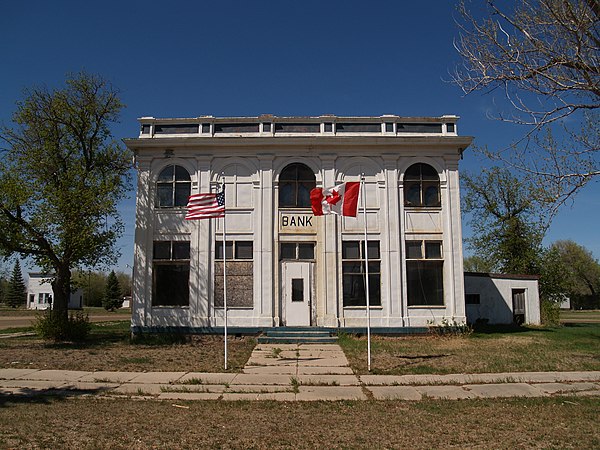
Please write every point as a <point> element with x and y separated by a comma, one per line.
<point>245,58</point>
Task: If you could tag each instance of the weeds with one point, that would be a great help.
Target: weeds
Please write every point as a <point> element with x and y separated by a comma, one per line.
<point>193,380</point>
<point>295,385</point>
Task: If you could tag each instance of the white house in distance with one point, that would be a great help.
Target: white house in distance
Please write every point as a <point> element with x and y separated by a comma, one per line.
<point>40,294</point>
<point>286,267</point>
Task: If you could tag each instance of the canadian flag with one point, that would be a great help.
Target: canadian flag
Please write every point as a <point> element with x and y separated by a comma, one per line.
<point>341,199</point>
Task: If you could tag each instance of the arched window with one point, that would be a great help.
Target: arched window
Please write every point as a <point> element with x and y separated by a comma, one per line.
<point>421,186</point>
<point>295,184</point>
<point>173,187</point>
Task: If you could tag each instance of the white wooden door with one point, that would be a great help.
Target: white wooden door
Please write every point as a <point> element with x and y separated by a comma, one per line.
<point>296,289</point>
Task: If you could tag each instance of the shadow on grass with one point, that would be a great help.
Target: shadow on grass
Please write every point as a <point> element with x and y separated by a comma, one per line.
<point>508,329</point>
<point>104,334</point>
<point>46,396</point>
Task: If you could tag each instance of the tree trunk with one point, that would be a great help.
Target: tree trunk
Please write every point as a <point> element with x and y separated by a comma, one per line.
<point>62,291</point>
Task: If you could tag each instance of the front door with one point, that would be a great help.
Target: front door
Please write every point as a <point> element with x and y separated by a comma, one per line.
<point>518,299</point>
<point>296,292</point>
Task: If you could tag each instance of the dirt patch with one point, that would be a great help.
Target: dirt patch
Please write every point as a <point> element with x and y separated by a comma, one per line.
<point>196,353</point>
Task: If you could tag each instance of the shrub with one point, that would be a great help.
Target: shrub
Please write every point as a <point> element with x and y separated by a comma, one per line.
<point>550,312</point>
<point>52,326</point>
<point>449,327</point>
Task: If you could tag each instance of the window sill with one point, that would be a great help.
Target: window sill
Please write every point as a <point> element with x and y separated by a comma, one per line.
<point>170,307</point>
<point>422,208</point>
<point>427,306</point>
<point>235,308</point>
<point>363,307</point>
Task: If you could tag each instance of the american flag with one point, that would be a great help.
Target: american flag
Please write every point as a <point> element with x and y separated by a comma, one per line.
<point>205,206</point>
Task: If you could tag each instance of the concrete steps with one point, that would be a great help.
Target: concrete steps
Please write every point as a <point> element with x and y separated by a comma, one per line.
<point>297,335</point>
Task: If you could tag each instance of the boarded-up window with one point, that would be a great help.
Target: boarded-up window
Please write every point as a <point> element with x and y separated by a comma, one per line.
<point>240,274</point>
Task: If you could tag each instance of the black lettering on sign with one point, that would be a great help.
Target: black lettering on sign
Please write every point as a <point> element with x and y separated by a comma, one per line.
<point>296,221</point>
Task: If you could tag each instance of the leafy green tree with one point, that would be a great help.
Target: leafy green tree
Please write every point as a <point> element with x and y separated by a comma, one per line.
<point>113,298</point>
<point>124,282</point>
<point>61,179</point>
<point>581,272</point>
<point>477,263</point>
<point>93,284</point>
<point>507,220</point>
<point>16,293</point>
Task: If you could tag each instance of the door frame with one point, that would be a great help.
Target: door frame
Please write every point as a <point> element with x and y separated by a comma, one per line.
<point>292,268</point>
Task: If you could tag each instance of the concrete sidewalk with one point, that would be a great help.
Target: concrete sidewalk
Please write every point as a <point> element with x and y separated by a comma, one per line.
<point>291,372</point>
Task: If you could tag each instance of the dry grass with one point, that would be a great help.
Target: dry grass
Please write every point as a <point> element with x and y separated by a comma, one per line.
<point>493,350</point>
<point>482,424</point>
<point>110,348</point>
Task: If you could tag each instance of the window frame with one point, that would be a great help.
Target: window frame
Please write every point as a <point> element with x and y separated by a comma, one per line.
<point>235,260</point>
<point>348,267</point>
<point>176,264</point>
<point>297,251</point>
<point>175,184</point>
<point>429,269</point>
<point>420,184</point>
<point>295,183</point>
<point>230,246</point>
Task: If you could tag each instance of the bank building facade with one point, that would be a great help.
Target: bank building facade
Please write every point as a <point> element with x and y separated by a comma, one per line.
<point>285,266</point>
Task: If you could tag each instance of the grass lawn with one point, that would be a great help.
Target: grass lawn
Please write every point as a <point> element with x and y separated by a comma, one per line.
<point>566,348</point>
<point>110,348</point>
<point>120,423</point>
<point>583,316</point>
<point>7,311</point>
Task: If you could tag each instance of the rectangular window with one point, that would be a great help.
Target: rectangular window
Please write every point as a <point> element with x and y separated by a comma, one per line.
<point>472,299</point>
<point>176,129</point>
<point>297,251</point>
<point>354,273</point>
<point>297,128</point>
<point>171,273</point>
<point>358,127</point>
<point>243,249</point>
<point>297,289</point>
<point>419,127</point>
<point>424,273</point>
<point>240,274</point>
<point>236,128</point>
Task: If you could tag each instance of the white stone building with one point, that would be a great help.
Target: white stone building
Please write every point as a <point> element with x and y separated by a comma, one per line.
<point>40,294</point>
<point>286,267</point>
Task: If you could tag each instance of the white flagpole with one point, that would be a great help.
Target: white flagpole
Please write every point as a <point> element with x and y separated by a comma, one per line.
<point>224,275</point>
<point>364,204</point>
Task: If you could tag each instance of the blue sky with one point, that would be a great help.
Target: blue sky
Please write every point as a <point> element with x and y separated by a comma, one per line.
<point>238,58</point>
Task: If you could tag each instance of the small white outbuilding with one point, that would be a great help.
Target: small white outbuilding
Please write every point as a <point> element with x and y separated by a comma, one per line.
<point>40,294</point>
<point>502,299</point>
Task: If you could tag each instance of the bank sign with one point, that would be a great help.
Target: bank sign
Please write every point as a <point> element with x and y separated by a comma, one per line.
<point>297,223</point>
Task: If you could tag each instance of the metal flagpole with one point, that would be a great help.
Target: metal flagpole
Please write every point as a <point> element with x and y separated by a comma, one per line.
<point>366,250</point>
<point>224,274</point>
